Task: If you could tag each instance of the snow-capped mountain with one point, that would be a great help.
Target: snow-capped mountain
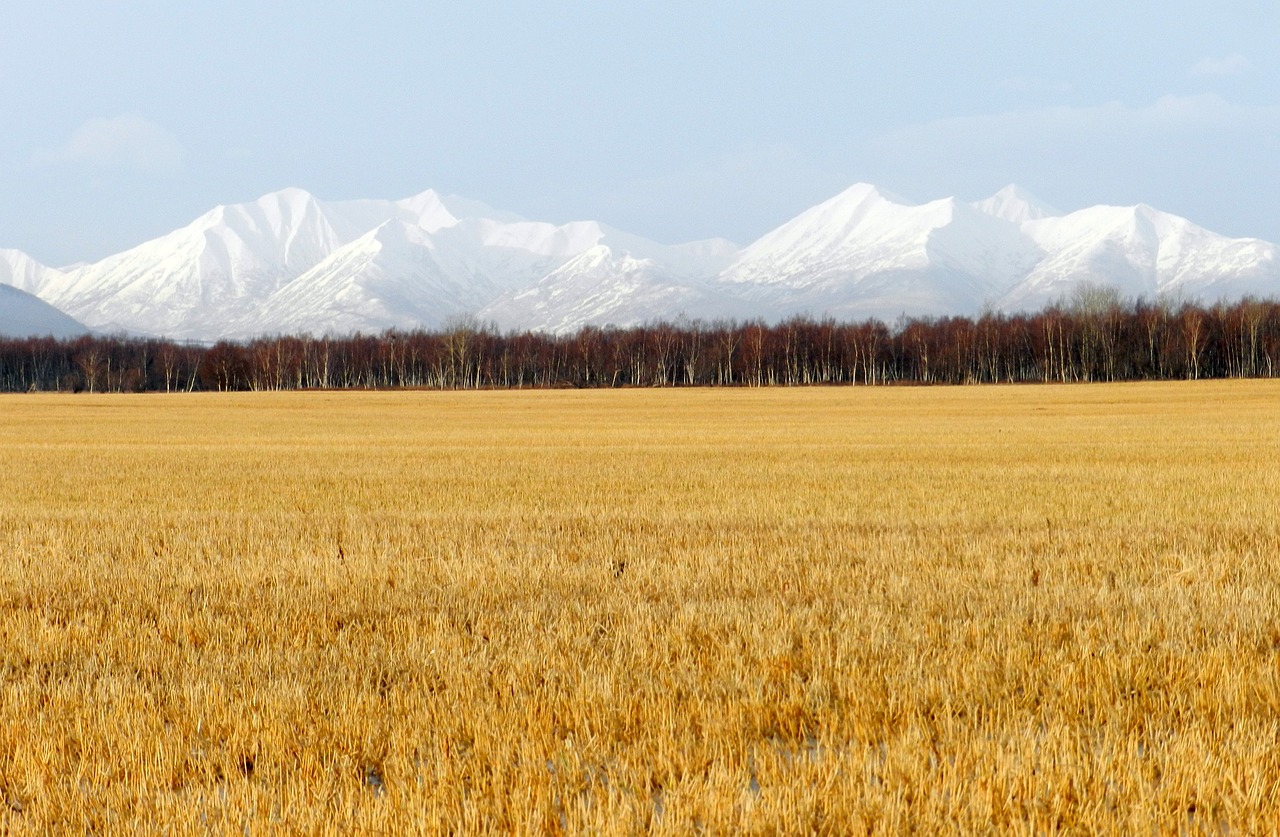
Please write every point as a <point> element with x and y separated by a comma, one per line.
<point>601,286</point>
<point>861,254</point>
<point>1013,203</point>
<point>1141,252</point>
<point>23,315</point>
<point>399,274</point>
<point>290,262</point>
<point>23,272</point>
<point>198,281</point>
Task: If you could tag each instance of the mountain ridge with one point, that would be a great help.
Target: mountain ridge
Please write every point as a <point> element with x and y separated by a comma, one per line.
<point>291,262</point>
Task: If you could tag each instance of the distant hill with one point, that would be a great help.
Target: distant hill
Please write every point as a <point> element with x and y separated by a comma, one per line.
<point>23,315</point>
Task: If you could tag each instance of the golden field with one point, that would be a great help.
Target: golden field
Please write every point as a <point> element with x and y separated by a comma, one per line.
<point>1001,609</point>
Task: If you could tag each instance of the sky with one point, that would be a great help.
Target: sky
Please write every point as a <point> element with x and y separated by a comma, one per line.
<point>672,120</point>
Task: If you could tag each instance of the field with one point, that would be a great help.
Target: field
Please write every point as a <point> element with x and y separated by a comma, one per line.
<point>1012,609</point>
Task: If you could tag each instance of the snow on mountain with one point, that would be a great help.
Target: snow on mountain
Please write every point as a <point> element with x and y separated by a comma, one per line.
<point>408,275</point>
<point>353,289</point>
<point>461,207</point>
<point>289,262</point>
<point>1142,252</point>
<point>191,282</point>
<point>198,281</point>
<point>602,286</point>
<point>23,272</point>
<point>621,280</point>
<point>1013,203</point>
<point>396,275</point>
<point>24,315</point>
<point>862,254</point>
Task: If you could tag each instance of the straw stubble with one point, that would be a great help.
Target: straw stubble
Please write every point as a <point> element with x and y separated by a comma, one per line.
<point>853,610</point>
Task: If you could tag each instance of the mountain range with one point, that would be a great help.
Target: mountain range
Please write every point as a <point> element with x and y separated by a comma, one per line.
<point>292,263</point>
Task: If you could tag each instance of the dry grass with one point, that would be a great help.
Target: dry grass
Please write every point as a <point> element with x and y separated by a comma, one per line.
<point>1029,609</point>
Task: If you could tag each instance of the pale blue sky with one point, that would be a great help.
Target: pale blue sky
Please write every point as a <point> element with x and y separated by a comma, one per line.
<point>675,120</point>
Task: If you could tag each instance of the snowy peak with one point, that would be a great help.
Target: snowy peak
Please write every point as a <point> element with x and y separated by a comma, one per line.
<point>286,230</point>
<point>370,284</point>
<point>192,282</point>
<point>465,208</point>
<point>860,234</point>
<point>849,201</point>
<point>428,210</point>
<point>1139,229</point>
<point>857,216</point>
<point>23,272</point>
<point>538,238</point>
<point>599,256</point>
<point>839,217</point>
<point>863,254</point>
<point>1142,252</point>
<point>1013,203</point>
<point>289,262</point>
<point>817,236</point>
<point>602,286</point>
<point>438,258</point>
<point>986,251</point>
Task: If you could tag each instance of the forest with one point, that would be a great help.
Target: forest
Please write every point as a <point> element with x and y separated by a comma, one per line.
<point>1094,336</point>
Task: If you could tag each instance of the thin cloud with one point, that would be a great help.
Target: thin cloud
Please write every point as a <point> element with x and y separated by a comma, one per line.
<point>122,142</point>
<point>1232,65</point>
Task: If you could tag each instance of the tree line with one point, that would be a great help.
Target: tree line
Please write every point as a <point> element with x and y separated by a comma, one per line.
<point>1094,336</point>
